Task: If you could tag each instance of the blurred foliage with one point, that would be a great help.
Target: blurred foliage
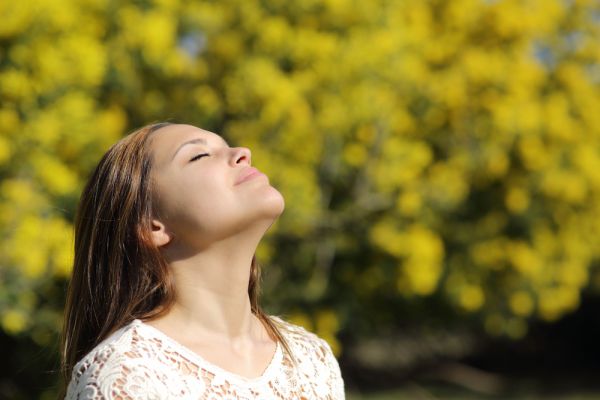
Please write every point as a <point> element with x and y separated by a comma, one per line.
<point>444,150</point>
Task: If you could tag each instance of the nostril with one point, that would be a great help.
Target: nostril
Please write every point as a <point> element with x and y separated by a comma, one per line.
<point>243,155</point>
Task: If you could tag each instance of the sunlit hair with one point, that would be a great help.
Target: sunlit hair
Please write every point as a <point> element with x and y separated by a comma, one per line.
<point>118,273</point>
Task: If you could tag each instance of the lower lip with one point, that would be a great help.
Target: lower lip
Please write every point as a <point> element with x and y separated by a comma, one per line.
<point>252,176</point>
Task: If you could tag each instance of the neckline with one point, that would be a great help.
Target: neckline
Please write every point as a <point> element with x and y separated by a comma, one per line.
<point>274,363</point>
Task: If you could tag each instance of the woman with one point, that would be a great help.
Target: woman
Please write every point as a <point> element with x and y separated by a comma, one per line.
<point>163,302</point>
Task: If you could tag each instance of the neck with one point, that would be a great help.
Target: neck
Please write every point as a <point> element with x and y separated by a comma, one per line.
<point>212,289</point>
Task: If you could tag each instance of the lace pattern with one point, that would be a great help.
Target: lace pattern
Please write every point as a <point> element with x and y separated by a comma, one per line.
<point>140,362</point>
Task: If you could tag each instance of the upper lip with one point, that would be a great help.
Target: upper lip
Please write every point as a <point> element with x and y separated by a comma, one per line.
<point>246,172</point>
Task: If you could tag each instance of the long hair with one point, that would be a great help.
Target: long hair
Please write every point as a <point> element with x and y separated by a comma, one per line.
<point>118,273</point>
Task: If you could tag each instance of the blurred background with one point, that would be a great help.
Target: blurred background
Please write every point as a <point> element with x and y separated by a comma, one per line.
<point>440,162</point>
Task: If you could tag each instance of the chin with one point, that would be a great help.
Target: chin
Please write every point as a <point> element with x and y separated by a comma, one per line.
<point>275,204</point>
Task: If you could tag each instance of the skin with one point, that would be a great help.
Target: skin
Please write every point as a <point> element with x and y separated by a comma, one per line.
<point>208,228</point>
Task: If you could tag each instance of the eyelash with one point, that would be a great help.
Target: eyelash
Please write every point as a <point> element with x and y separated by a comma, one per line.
<point>199,156</point>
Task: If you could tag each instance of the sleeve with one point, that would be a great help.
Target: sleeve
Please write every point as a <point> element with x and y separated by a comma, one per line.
<point>124,379</point>
<point>334,376</point>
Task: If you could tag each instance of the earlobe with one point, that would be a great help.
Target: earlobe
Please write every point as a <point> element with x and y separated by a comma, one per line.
<point>160,236</point>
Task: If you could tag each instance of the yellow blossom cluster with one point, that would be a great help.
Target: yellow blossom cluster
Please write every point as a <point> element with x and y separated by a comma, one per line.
<point>423,147</point>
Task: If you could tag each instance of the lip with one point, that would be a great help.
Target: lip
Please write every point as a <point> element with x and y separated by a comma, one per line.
<point>247,174</point>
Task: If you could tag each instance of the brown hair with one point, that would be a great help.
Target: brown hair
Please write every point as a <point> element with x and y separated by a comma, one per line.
<point>118,273</point>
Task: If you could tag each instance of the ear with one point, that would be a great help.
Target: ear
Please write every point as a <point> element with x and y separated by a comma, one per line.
<point>160,236</point>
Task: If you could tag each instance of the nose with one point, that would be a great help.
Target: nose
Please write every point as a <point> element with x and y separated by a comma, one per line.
<point>241,155</point>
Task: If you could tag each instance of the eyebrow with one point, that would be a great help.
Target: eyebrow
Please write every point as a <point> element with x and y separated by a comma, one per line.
<point>195,141</point>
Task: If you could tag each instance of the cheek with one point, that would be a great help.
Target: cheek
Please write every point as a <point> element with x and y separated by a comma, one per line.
<point>200,205</point>
<point>209,195</point>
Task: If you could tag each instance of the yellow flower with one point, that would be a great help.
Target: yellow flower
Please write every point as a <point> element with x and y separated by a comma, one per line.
<point>14,321</point>
<point>5,150</point>
<point>17,16</point>
<point>355,154</point>
<point>424,252</point>
<point>386,235</point>
<point>489,253</point>
<point>516,200</point>
<point>521,303</point>
<point>55,176</point>
<point>471,298</point>
<point>524,259</point>
<point>516,328</point>
<point>553,302</point>
<point>409,203</point>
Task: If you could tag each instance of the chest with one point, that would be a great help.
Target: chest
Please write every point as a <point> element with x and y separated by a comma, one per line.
<point>250,362</point>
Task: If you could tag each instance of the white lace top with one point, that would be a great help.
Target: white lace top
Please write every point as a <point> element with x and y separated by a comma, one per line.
<point>140,362</point>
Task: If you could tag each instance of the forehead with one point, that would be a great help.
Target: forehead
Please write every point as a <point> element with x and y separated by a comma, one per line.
<point>166,140</point>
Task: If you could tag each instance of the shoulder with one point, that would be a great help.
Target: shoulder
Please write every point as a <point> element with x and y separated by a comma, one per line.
<point>314,357</point>
<point>119,367</point>
<point>299,338</point>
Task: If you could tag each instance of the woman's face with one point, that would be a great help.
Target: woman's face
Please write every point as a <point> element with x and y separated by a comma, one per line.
<point>206,191</point>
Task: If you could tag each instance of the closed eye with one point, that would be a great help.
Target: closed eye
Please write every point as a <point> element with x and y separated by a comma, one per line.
<point>199,156</point>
